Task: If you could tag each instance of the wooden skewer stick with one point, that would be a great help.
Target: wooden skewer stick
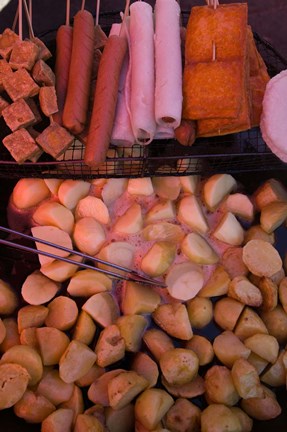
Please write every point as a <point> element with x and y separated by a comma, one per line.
<point>15,19</point>
<point>83,4</point>
<point>126,13</point>
<point>213,51</point>
<point>28,16</point>
<point>20,22</point>
<point>98,12</point>
<point>68,7</point>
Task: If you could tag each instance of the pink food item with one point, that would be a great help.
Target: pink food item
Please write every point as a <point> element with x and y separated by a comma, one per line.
<point>7,40</point>
<point>23,55</point>
<point>21,145</point>
<point>43,74</point>
<point>54,140</point>
<point>20,85</point>
<point>3,104</point>
<point>43,53</point>
<point>18,115</point>
<point>48,100</point>
<point>5,69</point>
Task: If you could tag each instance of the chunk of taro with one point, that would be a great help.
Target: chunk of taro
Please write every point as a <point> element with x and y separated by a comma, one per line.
<point>54,140</point>
<point>5,70</point>
<point>21,145</point>
<point>23,55</point>
<point>43,74</point>
<point>18,115</point>
<point>3,104</point>
<point>48,100</point>
<point>44,53</point>
<point>20,85</point>
<point>7,40</point>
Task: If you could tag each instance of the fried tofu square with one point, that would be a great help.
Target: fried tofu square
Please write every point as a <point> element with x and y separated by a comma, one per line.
<point>23,55</point>
<point>225,26</point>
<point>43,74</point>
<point>21,145</point>
<point>48,100</point>
<point>44,53</point>
<point>213,89</point>
<point>3,104</point>
<point>54,140</point>
<point>20,85</point>
<point>5,70</point>
<point>18,115</point>
<point>7,40</point>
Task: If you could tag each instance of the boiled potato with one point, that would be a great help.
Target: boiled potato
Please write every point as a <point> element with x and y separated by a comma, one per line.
<point>13,384</point>
<point>139,299</point>
<point>191,389</point>
<point>241,289</point>
<point>103,308</point>
<point>219,386</point>
<point>184,280</point>
<point>52,213</point>
<point>233,263</point>
<point>166,187</point>
<point>89,235</point>
<point>31,316</point>
<point>63,313</point>
<point>229,230</point>
<point>275,376</point>
<point>201,346</point>
<point>217,284</point>
<point>71,191</point>
<point>179,365</point>
<point>88,282</point>
<point>264,345</point>
<point>216,188</point>
<point>249,324</point>
<point>189,183</point>
<point>240,205</point>
<point>60,271</point>
<point>173,318</point>
<point>2,331</point>
<point>8,299</point>
<point>276,323</point>
<point>120,420</point>
<point>273,215</point>
<point>245,421</point>
<point>113,189</point>
<point>269,292</point>
<point>28,337</point>
<point>255,232</point>
<point>59,421</point>
<point>227,312</point>
<point>123,388</point>
<point>38,289</point>
<point>85,328</point>
<point>183,416</point>
<point>162,210</point>
<point>246,379</point>
<point>52,344</point>
<point>271,191</point>
<point>151,406</point>
<point>98,390</point>
<point>131,329</point>
<point>86,422</point>
<point>53,185</point>
<point>191,214</point>
<point>33,408</point>
<point>163,231</point>
<point>131,222</point>
<point>76,361</point>
<point>110,346</point>
<point>198,250</point>
<point>94,207</point>
<point>118,252</point>
<point>265,408</point>
<point>228,348</point>
<point>140,186</point>
<point>158,258</point>
<point>218,417</point>
<point>28,192</point>
<point>143,365</point>
<point>75,403</point>
<point>261,258</point>
<point>93,373</point>
<point>53,388</point>
<point>200,311</point>
<point>258,362</point>
<point>158,342</point>
<point>11,334</point>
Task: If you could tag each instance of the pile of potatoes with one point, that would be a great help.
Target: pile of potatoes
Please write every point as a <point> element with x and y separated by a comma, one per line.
<point>90,352</point>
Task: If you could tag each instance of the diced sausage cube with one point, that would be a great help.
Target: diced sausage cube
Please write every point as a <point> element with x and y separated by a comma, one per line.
<point>20,85</point>
<point>7,40</point>
<point>48,100</point>
<point>43,74</point>
<point>3,104</point>
<point>54,140</point>
<point>23,55</point>
<point>44,53</point>
<point>5,70</point>
<point>21,145</point>
<point>18,115</point>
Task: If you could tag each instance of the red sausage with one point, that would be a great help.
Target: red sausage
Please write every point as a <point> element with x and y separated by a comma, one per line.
<point>64,40</point>
<point>77,99</point>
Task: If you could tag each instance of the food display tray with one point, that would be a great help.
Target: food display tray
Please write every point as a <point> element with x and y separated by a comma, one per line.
<point>242,152</point>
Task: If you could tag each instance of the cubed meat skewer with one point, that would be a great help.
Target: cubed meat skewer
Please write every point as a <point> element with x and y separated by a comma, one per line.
<point>44,53</point>
<point>20,85</point>
<point>3,104</point>
<point>7,40</point>
<point>43,74</point>
<point>18,115</point>
<point>23,55</point>
<point>21,145</point>
<point>55,140</point>
<point>5,69</point>
<point>48,100</point>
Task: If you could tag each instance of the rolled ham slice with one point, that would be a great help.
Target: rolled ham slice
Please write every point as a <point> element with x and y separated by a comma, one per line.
<point>168,63</point>
<point>142,72</point>
<point>122,134</point>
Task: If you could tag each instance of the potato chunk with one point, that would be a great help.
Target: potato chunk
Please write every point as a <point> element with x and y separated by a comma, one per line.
<point>183,416</point>
<point>184,280</point>
<point>76,361</point>
<point>139,299</point>
<point>265,408</point>
<point>110,346</point>
<point>33,408</point>
<point>261,258</point>
<point>8,299</point>
<point>54,388</point>
<point>28,192</point>
<point>228,348</point>
<point>179,365</point>
<point>216,188</point>
<point>52,213</point>
<point>226,313</point>
<point>151,406</point>
<point>201,346</point>
<point>158,342</point>
<point>59,421</point>
<point>241,289</point>
<point>31,316</point>
<point>103,308</point>
<point>143,365</point>
<point>219,386</point>
<point>249,324</point>
<point>52,344</point>
<point>158,258</point>
<point>63,313</point>
<point>131,329</point>
<point>89,235</point>
<point>264,345</point>
<point>38,289</point>
<point>218,417</point>
<point>229,230</point>
<point>86,283</point>
<point>200,311</point>
<point>13,384</point>
<point>123,388</point>
<point>246,379</point>
<point>174,319</point>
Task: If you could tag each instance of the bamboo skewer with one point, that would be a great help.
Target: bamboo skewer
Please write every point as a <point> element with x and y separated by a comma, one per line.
<point>98,11</point>
<point>68,7</point>
<point>20,20</point>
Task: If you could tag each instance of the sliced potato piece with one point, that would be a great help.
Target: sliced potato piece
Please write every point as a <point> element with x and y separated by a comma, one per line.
<point>265,408</point>
<point>158,342</point>
<point>85,328</point>
<point>162,210</point>
<point>89,235</point>
<point>261,258</point>
<point>28,192</point>
<point>226,313</point>
<point>219,386</point>
<point>245,421</point>
<point>184,280</point>
<point>246,379</point>
<point>241,289</point>
<point>71,191</point>
<point>255,232</point>
<point>173,318</point>
<point>201,346</point>
<point>11,334</point>
<point>118,252</point>
<point>276,323</point>
<point>179,366</point>
<point>166,187</point>
<point>85,422</point>
<point>229,230</point>
<point>258,362</point>
<point>52,344</point>
<point>98,391</point>
<point>120,420</point>
<point>87,282</point>
<point>60,420</point>
<point>240,205</point>
<point>53,235</point>
<point>94,207</point>
<point>158,258</point>
<point>38,289</point>
<point>151,406</point>
<point>143,365</point>
<point>63,313</point>
<point>113,189</point>
<point>110,346</point>
<point>28,337</point>
<point>216,188</point>
<point>273,215</point>
<point>75,403</point>
<point>191,389</point>
<point>190,213</point>
<point>271,191</point>
<point>200,311</point>
<point>103,308</point>
<point>163,231</point>
<point>275,376</point>
<point>132,328</point>
<point>217,284</point>
<point>52,213</point>
<point>189,183</point>
<point>218,417</point>
<point>249,324</point>
<point>198,250</point>
<point>183,415</point>
<point>123,388</point>
<point>232,262</point>
<point>131,222</point>
<point>283,293</point>
<point>33,408</point>
<point>28,358</point>
<point>93,373</point>
<point>139,299</point>
<point>13,384</point>
<point>76,361</point>
<point>140,186</point>
<point>53,185</point>
<point>269,292</point>
<point>228,348</point>
<point>53,388</point>
<point>60,271</point>
<point>2,331</point>
<point>8,299</point>
<point>31,316</point>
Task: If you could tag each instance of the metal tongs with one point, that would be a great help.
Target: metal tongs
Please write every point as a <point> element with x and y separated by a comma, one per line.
<point>128,275</point>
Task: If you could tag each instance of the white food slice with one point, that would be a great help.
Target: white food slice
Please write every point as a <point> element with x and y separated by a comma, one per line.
<point>216,188</point>
<point>162,210</point>
<point>229,230</point>
<point>89,235</point>
<point>29,192</point>
<point>88,282</point>
<point>166,187</point>
<point>60,271</point>
<point>131,221</point>
<point>184,281</point>
<point>55,214</point>
<point>71,191</point>
<point>158,259</point>
<point>189,183</point>
<point>120,253</point>
<point>163,231</point>
<point>198,250</point>
<point>53,185</point>
<point>53,235</point>
<point>140,186</point>
<point>94,207</point>
<point>240,205</point>
<point>113,189</point>
<point>76,361</point>
<point>190,213</point>
<point>38,289</point>
<point>151,406</point>
<point>103,308</point>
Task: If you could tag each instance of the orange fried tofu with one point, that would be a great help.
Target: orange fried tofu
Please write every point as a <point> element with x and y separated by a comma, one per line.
<point>213,89</point>
<point>225,25</point>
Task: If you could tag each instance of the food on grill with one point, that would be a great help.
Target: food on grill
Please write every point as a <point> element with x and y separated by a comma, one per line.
<point>48,100</point>
<point>14,381</point>
<point>18,115</point>
<point>54,140</point>
<point>43,74</point>
<point>43,52</point>
<point>5,70</point>
<point>7,40</point>
<point>21,145</point>
<point>23,55</point>
<point>20,85</point>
